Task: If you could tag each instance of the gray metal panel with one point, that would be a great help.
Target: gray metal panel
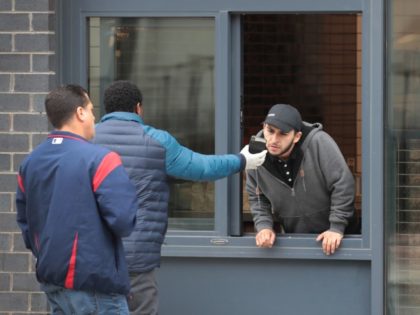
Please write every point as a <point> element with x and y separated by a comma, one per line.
<point>222,112</point>
<point>235,131</point>
<point>83,52</point>
<point>250,287</point>
<point>221,5</point>
<point>286,247</point>
<point>372,145</point>
<point>66,60</point>
<point>73,44</point>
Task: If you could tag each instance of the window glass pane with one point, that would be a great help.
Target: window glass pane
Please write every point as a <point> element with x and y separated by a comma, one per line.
<point>313,62</point>
<point>172,62</point>
<point>402,158</point>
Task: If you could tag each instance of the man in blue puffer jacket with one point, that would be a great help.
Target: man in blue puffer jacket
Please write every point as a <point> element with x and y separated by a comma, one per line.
<point>150,156</point>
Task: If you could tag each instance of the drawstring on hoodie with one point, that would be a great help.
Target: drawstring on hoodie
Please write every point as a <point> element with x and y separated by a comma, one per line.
<point>302,174</point>
<point>257,191</point>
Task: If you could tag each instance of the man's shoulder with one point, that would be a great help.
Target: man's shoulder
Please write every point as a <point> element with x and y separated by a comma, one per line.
<point>317,138</point>
<point>109,126</point>
<point>321,136</point>
<point>35,154</point>
<point>314,132</point>
<point>323,143</point>
<point>165,138</point>
<point>98,150</point>
<point>91,150</point>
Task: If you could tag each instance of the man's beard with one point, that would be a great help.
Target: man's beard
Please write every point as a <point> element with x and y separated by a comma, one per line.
<point>289,147</point>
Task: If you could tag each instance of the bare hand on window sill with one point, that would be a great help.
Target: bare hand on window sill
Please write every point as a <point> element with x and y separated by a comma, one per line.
<point>265,238</point>
<point>330,241</point>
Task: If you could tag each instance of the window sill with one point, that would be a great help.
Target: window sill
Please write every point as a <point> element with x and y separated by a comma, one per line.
<point>286,247</point>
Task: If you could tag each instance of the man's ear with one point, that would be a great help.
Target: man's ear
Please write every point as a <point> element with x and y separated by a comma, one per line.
<point>139,109</point>
<point>80,113</point>
<point>297,137</point>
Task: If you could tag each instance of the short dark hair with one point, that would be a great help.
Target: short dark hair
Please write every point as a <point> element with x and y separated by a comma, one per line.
<point>62,102</point>
<point>122,96</point>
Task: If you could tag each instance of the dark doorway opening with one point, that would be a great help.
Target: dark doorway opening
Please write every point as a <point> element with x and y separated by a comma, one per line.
<point>313,62</point>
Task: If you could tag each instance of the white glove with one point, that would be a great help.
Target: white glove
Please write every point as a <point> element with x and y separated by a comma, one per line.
<point>253,160</point>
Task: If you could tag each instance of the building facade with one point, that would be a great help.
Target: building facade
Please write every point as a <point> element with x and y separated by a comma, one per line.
<point>209,71</point>
<point>27,73</point>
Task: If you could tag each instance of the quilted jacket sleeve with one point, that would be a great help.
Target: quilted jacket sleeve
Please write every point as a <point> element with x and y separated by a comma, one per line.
<point>184,163</point>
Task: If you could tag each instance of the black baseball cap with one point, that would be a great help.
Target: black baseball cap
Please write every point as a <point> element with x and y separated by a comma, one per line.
<point>285,117</point>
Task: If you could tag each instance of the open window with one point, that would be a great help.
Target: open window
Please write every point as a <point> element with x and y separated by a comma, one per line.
<point>313,62</point>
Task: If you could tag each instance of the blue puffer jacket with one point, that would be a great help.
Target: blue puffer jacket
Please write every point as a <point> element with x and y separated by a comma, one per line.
<point>149,156</point>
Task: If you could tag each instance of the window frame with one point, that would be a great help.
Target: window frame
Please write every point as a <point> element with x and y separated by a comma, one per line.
<point>223,240</point>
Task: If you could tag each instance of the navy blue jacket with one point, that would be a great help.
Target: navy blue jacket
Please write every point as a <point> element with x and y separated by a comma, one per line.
<point>74,204</point>
<point>149,156</point>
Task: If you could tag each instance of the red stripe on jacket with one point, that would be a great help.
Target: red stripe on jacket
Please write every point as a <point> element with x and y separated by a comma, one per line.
<point>20,183</point>
<point>109,163</point>
<point>69,283</point>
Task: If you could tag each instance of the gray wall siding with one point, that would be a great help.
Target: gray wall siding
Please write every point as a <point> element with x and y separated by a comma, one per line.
<point>27,73</point>
<point>213,286</point>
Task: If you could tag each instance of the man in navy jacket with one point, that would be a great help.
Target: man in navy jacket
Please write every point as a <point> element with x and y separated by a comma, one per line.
<point>74,204</point>
<point>151,155</point>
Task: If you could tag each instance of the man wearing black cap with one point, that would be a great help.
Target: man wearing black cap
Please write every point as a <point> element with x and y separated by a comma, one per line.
<point>304,181</point>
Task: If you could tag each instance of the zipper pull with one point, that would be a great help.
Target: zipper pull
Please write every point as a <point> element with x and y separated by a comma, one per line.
<point>293,192</point>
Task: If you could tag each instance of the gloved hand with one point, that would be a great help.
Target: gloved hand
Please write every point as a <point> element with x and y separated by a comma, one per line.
<point>253,160</point>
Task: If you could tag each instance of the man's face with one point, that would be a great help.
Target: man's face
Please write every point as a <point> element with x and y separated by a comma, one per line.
<point>280,144</point>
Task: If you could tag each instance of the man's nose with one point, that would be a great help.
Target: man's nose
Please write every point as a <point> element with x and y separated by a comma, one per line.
<point>277,137</point>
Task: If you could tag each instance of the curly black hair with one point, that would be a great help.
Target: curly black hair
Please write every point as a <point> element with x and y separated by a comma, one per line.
<point>122,96</point>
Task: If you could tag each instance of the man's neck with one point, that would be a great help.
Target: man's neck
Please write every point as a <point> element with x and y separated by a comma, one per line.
<point>73,129</point>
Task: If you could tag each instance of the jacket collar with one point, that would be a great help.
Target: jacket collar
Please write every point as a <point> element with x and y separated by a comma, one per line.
<point>122,116</point>
<point>65,134</point>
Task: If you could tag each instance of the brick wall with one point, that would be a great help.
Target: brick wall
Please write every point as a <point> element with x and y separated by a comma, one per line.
<point>27,44</point>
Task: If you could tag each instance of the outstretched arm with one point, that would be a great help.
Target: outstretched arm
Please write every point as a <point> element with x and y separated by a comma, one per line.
<point>184,163</point>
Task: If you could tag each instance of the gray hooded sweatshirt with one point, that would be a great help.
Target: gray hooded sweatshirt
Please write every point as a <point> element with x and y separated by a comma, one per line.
<point>322,196</point>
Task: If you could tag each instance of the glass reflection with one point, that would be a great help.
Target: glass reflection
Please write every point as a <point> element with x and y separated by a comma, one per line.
<point>402,159</point>
<point>172,62</point>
